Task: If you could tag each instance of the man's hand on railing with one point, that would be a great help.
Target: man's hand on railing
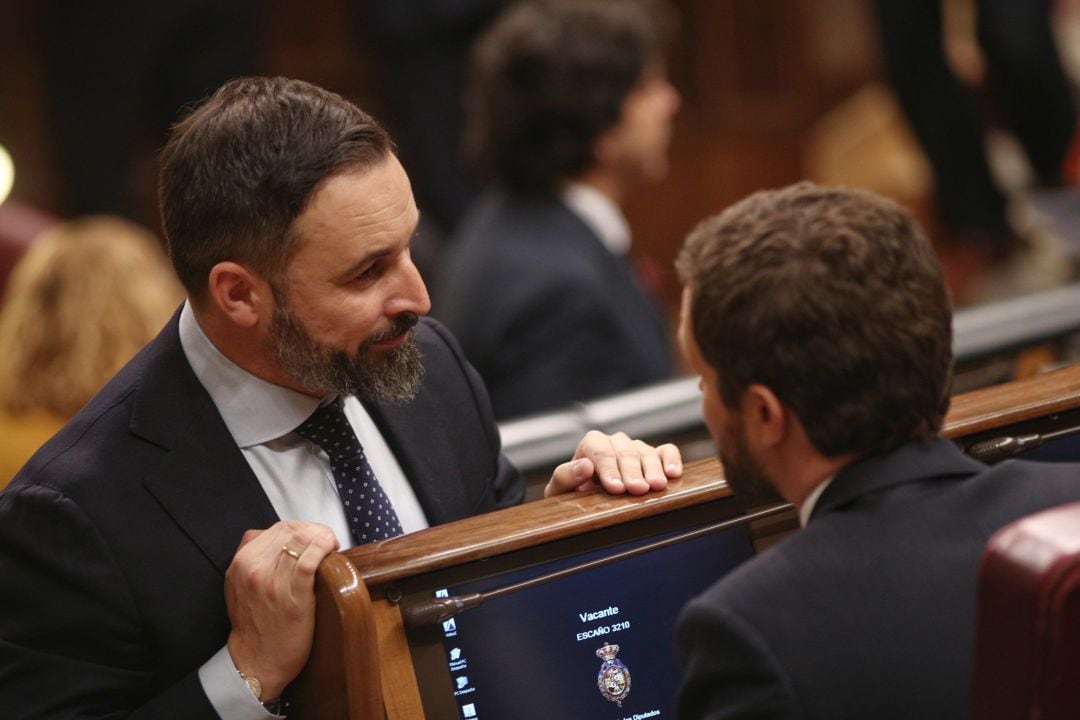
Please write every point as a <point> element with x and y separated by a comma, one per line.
<point>617,463</point>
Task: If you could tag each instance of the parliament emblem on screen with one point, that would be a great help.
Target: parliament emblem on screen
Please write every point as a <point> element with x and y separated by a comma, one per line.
<point>614,677</point>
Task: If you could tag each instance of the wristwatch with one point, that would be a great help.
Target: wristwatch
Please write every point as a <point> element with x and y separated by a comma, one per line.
<point>272,706</point>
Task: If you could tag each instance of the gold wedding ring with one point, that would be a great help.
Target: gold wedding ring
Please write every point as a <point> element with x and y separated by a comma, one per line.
<point>290,552</point>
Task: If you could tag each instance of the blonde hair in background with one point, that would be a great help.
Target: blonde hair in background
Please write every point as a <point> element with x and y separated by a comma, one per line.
<point>85,297</point>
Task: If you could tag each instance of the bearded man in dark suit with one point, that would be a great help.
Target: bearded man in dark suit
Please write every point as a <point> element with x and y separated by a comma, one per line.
<point>158,555</point>
<point>819,323</point>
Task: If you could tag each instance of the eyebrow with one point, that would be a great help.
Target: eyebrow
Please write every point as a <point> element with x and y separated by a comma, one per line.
<point>371,257</point>
<point>362,263</point>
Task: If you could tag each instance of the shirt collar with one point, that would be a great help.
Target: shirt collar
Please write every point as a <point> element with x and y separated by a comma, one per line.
<point>600,214</point>
<point>807,508</point>
<point>254,410</point>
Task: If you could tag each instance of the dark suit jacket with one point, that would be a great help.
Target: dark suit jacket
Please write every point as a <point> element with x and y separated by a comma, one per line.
<point>544,311</point>
<point>868,612</point>
<point>115,538</point>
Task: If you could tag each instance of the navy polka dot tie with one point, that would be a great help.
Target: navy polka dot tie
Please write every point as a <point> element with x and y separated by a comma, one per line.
<point>367,509</point>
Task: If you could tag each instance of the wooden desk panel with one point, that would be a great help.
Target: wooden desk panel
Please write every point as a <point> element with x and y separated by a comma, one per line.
<point>1000,406</point>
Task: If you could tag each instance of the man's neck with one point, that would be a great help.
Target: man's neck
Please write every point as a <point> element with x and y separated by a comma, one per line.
<point>244,348</point>
<point>807,475</point>
<point>601,215</point>
<point>604,182</point>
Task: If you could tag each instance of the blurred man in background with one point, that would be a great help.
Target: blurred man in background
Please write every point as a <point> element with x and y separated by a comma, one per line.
<point>570,110</point>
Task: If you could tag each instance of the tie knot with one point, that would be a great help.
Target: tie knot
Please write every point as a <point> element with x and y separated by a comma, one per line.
<point>330,430</point>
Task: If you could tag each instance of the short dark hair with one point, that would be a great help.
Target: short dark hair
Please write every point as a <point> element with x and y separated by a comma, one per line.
<point>548,78</point>
<point>239,169</point>
<point>833,298</point>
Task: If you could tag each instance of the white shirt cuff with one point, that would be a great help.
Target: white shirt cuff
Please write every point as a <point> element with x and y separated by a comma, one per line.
<point>227,691</point>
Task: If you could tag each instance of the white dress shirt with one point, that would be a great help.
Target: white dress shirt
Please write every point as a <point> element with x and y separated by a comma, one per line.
<point>294,472</point>
<point>600,214</point>
<point>807,508</point>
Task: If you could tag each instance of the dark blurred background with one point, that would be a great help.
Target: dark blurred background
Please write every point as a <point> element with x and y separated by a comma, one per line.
<point>773,91</point>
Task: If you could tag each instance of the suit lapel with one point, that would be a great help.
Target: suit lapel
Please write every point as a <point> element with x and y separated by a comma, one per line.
<point>423,461</point>
<point>203,482</point>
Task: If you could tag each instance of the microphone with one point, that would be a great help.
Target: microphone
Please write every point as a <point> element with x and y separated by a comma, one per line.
<point>996,449</point>
<point>438,610</point>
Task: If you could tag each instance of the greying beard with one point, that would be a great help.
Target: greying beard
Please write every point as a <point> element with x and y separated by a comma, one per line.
<point>392,375</point>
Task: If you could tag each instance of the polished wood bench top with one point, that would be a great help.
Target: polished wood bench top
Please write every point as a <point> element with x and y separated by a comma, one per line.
<point>541,521</point>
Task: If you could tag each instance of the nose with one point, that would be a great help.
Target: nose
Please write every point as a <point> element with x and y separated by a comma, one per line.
<point>411,295</point>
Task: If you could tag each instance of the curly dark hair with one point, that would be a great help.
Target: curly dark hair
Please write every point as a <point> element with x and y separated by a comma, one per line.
<point>547,79</point>
<point>833,298</point>
<point>241,167</point>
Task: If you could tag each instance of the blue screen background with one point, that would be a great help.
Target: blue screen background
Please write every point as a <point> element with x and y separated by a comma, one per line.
<point>520,655</point>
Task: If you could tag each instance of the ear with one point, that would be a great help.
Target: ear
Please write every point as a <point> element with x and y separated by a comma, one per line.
<point>239,294</point>
<point>764,417</point>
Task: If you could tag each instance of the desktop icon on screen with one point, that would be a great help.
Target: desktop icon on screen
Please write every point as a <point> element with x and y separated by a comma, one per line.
<point>468,711</point>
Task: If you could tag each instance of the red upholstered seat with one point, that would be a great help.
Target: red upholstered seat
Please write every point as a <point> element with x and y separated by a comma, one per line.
<point>1027,637</point>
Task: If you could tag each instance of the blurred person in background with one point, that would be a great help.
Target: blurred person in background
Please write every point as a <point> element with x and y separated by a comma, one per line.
<point>85,298</point>
<point>1031,97</point>
<point>569,110</point>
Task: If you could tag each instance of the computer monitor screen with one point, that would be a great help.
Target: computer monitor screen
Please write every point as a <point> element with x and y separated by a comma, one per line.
<point>597,644</point>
